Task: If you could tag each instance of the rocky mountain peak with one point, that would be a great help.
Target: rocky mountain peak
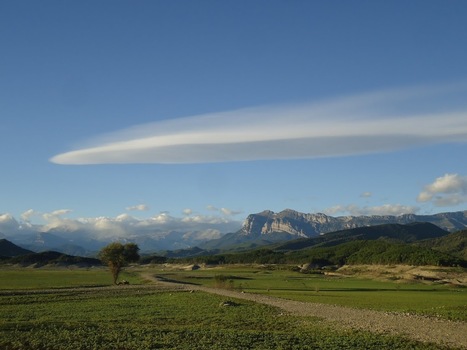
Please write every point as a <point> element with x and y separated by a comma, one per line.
<point>308,225</point>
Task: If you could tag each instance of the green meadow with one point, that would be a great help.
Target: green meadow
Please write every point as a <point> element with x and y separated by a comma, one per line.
<point>52,278</point>
<point>443,301</point>
<point>39,310</point>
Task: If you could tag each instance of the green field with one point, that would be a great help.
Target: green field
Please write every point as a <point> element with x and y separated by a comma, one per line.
<point>143,317</point>
<point>26,278</point>
<point>426,299</point>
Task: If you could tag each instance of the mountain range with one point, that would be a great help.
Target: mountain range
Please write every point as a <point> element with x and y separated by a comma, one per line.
<point>412,244</point>
<point>268,227</point>
<point>387,244</point>
<point>12,254</point>
<point>258,229</point>
<point>8,249</point>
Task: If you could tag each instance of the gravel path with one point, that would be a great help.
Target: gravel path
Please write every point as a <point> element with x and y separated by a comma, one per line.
<point>426,329</point>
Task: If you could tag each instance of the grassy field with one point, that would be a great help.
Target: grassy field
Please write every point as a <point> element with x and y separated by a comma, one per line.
<point>142,317</point>
<point>26,278</point>
<point>442,301</point>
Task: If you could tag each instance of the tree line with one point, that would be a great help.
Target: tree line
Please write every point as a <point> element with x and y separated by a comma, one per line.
<point>354,252</point>
<point>365,252</point>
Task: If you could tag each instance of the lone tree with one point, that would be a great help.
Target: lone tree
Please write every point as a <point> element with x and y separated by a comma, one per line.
<point>117,255</point>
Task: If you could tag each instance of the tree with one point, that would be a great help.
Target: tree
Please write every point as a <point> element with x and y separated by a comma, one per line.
<point>117,256</point>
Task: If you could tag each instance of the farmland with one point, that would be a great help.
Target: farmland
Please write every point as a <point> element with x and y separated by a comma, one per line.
<point>429,299</point>
<point>40,309</point>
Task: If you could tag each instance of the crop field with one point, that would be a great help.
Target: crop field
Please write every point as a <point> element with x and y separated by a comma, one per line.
<point>34,315</point>
<point>443,301</point>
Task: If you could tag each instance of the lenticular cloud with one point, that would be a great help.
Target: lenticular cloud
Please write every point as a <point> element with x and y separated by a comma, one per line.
<point>368,123</point>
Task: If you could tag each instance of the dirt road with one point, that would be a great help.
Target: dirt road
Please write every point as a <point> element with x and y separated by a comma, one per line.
<point>415,327</point>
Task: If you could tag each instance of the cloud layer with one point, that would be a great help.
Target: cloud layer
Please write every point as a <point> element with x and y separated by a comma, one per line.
<point>385,209</point>
<point>343,126</point>
<point>123,226</point>
<point>447,190</point>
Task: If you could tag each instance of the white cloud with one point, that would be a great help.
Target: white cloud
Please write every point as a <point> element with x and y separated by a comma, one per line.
<point>60,212</point>
<point>366,194</point>
<point>26,216</point>
<point>123,226</point>
<point>206,219</point>
<point>8,223</point>
<point>224,211</point>
<point>139,207</point>
<point>229,212</point>
<point>162,218</point>
<point>55,220</point>
<point>125,218</point>
<point>385,209</point>
<point>361,124</point>
<point>447,190</point>
<point>56,214</point>
<point>187,211</point>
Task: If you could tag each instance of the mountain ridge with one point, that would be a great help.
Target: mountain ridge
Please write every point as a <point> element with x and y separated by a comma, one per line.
<point>411,244</point>
<point>270,227</point>
<point>259,229</point>
<point>9,249</point>
<point>304,224</point>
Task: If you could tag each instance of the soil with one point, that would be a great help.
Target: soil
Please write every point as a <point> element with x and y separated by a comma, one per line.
<point>425,329</point>
<point>407,274</point>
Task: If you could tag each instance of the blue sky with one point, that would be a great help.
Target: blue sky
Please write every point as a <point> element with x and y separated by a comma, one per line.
<point>212,110</point>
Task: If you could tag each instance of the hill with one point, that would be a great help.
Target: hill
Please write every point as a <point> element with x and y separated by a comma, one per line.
<point>356,252</point>
<point>454,244</point>
<point>369,252</point>
<point>9,249</point>
<point>393,232</point>
<point>52,258</point>
<point>381,244</point>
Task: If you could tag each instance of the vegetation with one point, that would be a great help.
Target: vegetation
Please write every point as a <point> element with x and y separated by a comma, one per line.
<point>8,249</point>
<point>51,258</point>
<point>454,244</point>
<point>414,244</point>
<point>353,252</point>
<point>117,256</point>
<point>43,309</point>
<point>145,318</point>
<point>55,278</point>
<point>152,259</point>
<point>224,281</point>
<point>415,296</point>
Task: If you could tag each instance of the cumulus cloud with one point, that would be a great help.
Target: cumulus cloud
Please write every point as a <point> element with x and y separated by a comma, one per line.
<point>385,209</point>
<point>224,211</point>
<point>187,211</point>
<point>26,216</point>
<point>8,224</point>
<point>368,123</point>
<point>229,212</point>
<point>55,215</point>
<point>139,207</point>
<point>56,220</point>
<point>59,212</point>
<point>123,226</point>
<point>447,190</point>
<point>366,194</point>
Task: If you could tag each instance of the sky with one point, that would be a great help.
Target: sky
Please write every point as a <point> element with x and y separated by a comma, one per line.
<point>207,111</point>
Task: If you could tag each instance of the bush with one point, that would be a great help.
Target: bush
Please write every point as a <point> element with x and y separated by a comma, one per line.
<point>224,282</point>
